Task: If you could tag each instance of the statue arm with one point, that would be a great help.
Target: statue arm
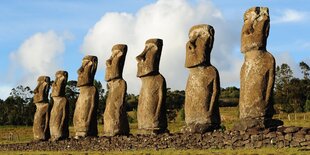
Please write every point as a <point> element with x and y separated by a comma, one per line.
<point>47,119</point>
<point>123,95</point>
<point>270,80</point>
<point>161,99</point>
<point>92,106</point>
<point>215,93</point>
<point>64,113</point>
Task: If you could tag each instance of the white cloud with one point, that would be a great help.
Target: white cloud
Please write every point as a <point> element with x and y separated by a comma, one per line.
<point>286,57</point>
<point>5,92</point>
<point>290,16</point>
<point>170,21</point>
<point>38,55</point>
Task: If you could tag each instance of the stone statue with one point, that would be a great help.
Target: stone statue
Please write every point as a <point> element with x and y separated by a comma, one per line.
<point>257,73</point>
<point>203,84</point>
<point>115,116</point>
<point>41,116</point>
<point>151,112</point>
<point>85,114</point>
<point>59,126</point>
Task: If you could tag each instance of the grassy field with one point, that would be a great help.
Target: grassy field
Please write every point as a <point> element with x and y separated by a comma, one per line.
<point>23,134</point>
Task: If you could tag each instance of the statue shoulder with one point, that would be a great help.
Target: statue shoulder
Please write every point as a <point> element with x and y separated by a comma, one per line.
<point>270,57</point>
<point>214,70</point>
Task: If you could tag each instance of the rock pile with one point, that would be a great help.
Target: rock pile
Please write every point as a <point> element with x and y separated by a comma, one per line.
<point>278,137</point>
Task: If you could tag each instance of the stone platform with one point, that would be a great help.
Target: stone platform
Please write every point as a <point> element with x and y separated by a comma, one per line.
<point>278,138</point>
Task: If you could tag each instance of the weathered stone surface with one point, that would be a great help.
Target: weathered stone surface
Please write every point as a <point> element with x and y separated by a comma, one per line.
<point>59,121</point>
<point>291,129</point>
<point>85,114</point>
<point>288,137</point>
<point>151,112</point>
<point>42,89</point>
<point>257,124</point>
<point>203,84</point>
<point>115,116</point>
<point>215,140</point>
<point>41,116</point>
<point>87,71</point>
<point>258,70</point>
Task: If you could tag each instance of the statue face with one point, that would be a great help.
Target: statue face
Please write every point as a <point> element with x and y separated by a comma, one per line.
<point>42,89</point>
<point>199,46</point>
<point>116,62</point>
<point>87,71</point>
<point>59,85</point>
<point>148,60</point>
<point>255,29</point>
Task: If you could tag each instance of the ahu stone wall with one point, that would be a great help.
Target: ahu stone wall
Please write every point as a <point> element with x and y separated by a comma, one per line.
<point>281,137</point>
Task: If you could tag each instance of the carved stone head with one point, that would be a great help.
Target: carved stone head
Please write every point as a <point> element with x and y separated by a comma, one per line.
<point>255,30</point>
<point>116,62</point>
<point>148,60</point>
<point>42,89</point>
<point>59,85</point>
<point>87,71</point>
<point>199,46</point>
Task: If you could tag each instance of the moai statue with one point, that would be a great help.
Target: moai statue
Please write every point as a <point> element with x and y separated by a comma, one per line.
<point>203,84</point>
<point>115,116</point>
<point>41,116</point>
<point>151,112</point>
<point>59,126</point>
<point>85,114</point>
<point>257,72</point>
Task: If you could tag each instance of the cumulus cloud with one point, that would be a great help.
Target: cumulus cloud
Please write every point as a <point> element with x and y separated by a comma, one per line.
<point>287,58</point>
<point>290,16</point>
<point>170,21</point>
<point>5,92</point>
<point>38,55</point>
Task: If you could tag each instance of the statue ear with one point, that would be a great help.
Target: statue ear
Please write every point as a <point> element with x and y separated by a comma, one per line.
<point>267,29</point>
<point>46,87</point>
<point>154,47</point>
<point>119,54</point>
<point>211,37</point>
<point>94,66</point>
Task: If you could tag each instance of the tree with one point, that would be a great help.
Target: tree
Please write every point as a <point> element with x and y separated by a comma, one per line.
<point>174,103</point>
<point>72,93</point>
<point>24,93</point>
<point>132,102</point>
<point>102,100</point>
<point>18,108</point>
<point>284,75</point>
<point>230,92</point>
<point>305,69</point>
<point>297,94</point>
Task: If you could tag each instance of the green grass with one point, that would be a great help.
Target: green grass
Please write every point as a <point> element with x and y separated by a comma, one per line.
<point>228,116</point>
<point>263,151</point>
<point>23,134</point>
<point>296,119</point>
<point>15,134</point>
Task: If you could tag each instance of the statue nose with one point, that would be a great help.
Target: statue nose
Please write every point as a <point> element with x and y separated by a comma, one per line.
<point>190,45</point>
<point>81,69</point>
<point>109,62</point>
<point>141,57</point>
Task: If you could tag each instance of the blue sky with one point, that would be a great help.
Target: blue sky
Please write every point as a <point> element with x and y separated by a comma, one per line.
<point>39,37</point>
